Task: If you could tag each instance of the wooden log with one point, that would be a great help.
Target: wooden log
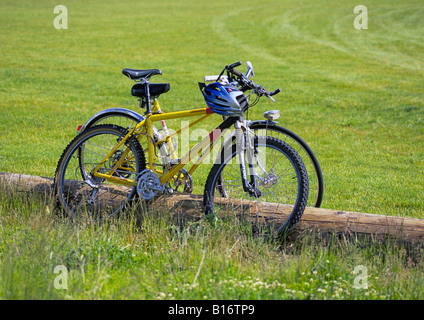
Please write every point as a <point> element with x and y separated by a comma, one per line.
<point>320,220</point>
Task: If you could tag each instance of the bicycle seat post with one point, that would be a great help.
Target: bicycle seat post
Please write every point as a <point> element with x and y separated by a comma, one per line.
<point>148,103</point>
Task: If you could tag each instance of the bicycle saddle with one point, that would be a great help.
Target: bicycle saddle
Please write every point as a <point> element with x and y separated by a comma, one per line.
<point>135,74</point>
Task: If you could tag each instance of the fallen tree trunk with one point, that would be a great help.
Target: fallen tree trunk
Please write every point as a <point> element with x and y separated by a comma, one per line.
<point>321,220</point>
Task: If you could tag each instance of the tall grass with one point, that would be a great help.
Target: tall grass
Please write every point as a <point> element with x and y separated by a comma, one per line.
<point>157,255</point>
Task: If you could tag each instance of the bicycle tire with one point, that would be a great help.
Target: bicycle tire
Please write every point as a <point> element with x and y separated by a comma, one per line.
<point>304,150</point>
<point>72,181</point>
<point>290,158</point>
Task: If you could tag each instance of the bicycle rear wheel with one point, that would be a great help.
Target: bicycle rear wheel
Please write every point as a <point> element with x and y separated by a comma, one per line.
<point>281,178</point>
<point>78,192</point>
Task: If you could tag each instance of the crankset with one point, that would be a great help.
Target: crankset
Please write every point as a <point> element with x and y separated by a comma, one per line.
<point>148,184</point>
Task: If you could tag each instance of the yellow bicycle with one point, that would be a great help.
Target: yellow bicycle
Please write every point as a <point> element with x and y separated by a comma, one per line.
<point>105,167</point>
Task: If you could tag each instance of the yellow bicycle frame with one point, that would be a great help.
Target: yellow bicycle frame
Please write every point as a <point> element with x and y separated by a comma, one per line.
<point>145,127</point>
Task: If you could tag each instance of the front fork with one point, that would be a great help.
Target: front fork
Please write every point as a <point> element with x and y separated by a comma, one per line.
<point>245,144</point>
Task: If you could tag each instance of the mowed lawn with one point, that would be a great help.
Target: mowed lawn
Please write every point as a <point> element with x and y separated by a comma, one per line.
<point>355,96</point>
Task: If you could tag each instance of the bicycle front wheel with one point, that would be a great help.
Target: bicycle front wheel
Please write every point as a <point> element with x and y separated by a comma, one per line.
<point>78,192</point>
<point>316,180</point>
<point>281,178</point>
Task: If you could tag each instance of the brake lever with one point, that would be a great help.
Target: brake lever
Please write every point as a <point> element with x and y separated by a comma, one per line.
<point>270,98</point>
<point>261,91</point>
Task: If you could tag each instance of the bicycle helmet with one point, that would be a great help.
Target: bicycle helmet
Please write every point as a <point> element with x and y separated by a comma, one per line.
<point>223,99</point>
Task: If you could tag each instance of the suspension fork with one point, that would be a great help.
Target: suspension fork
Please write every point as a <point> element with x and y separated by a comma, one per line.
<point>245,144</point>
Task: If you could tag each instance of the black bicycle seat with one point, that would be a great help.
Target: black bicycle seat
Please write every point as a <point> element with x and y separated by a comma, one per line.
<point>135,74</point>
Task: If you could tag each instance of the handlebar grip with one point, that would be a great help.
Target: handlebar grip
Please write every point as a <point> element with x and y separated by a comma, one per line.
<point>235,64</point>
<point>275,92</point>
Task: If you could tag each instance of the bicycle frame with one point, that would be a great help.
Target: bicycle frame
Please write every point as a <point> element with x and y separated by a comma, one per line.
<point>145,127</point>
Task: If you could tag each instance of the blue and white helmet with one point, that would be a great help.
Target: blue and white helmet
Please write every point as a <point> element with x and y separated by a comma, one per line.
<point>224,99</point>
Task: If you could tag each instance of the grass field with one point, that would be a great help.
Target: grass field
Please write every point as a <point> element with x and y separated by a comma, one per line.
<point>355,96</point>
<point>152,257</point>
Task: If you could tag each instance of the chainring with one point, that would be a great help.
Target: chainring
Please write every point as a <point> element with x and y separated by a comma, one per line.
<point>148,184</point>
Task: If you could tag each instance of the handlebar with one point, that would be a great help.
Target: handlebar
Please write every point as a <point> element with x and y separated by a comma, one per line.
<point>247,84</point>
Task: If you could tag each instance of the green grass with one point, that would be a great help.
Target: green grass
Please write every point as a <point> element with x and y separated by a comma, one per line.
<point>355,96</point>
<point>152,256</point>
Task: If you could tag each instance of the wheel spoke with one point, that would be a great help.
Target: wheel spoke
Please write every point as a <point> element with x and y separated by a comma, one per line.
<point>90,195</point>
<point>281,178</point>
